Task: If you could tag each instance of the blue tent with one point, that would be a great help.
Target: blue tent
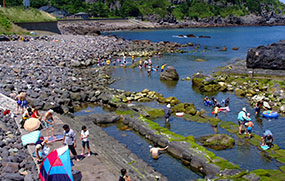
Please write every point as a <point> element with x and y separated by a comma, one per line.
<point>57,166</point>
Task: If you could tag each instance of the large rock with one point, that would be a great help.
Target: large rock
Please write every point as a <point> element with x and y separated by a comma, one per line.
<point>169,74</point>
<point>267,57</point>
<point>218,141</point>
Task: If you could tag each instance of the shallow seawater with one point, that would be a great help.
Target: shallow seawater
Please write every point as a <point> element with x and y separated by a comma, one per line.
<point>243,154</point>
<point>167,165</point>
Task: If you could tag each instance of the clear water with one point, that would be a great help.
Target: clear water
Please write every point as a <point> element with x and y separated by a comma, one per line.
<point>245,155</point>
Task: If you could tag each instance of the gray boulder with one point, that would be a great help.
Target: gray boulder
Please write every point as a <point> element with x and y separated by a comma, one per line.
<point>169,74</point>
<point>267,57</point>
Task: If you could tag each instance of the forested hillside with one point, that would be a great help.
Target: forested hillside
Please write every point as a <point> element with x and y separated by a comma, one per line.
<point>179,9</point>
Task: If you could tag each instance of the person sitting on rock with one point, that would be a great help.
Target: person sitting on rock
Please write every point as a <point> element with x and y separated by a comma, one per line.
<point>267,136</point>
<point>36,114</point>
<point>27,114</point>
<point>49,122</point>
<point>40,145</point>
<point>124,176</point>
<point>154,151</point>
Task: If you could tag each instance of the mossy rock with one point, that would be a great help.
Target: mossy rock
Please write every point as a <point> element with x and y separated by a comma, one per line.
<point>213,121</point>
<point>224,164</point>
<point>155,113</point>
<point>210,88</point>
<point>197,82</point>
<point>195,118</point>
<point>178,108</point>
<point>144,99</point>
<point>171,100</point>
<point>282,168</point>
<point>200,60</point>
<point>239,92</point>
<point>229,126</point>
<point>128,93</point>
<point>190,110</point>
<point>217,141</point>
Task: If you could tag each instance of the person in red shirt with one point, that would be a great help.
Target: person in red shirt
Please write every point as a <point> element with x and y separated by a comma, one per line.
<point>36,114</point>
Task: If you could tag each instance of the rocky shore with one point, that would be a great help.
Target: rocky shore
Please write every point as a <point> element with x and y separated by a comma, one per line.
<point>56,71</point>
<point>15,162</point>
<point>96,27</point>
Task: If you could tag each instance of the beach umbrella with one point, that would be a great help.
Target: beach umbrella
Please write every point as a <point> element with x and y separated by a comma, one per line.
<point>32,124</point>
<point>56,166</point>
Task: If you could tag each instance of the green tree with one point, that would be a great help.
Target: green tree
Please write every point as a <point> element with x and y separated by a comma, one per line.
<point>38,3</point>
<point>129,8</point>
<point>98,9</point>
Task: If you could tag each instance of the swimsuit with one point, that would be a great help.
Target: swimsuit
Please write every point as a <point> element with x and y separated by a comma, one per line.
<point>249,129</point>
<point>24,103</point>
<point>47,124</point>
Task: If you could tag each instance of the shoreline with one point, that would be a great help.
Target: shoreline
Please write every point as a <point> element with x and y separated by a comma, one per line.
<point>87,27</point>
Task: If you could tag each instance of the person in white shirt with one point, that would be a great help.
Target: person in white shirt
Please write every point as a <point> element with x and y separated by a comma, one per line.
<point>85,141</point>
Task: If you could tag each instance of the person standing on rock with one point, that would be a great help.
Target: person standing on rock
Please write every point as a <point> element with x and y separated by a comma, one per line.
<point>49,122</point>
<point>85,140</point>
<point>242,118</point>
<point>70,140</point>
<point>154,151</point>
<point>21,102</point>
<point>259,104</point>
<point>124,176</point>
<point>167,112</point>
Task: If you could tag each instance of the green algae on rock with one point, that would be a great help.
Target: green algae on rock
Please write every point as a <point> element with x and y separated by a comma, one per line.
<point>217,141</point>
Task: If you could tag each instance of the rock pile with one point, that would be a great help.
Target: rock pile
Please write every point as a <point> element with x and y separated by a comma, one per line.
<point>15,162</point>
<point>267,57</point>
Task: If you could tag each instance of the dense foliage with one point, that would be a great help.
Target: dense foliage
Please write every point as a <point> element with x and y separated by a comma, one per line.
<point>186,8</point>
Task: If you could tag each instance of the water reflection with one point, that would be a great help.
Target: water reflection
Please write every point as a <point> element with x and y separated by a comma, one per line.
<point>169,84</point>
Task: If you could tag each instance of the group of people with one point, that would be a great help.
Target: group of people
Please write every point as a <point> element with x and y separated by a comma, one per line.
<point>217,106</point>
<point>69,139</point>
<point>49,122</point>
<point>245,120</point>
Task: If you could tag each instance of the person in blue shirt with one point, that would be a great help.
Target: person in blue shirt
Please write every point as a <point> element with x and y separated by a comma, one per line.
<point>242,118</point>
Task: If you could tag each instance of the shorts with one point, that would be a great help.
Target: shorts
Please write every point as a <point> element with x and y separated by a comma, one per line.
<point>49,125</point>
<point>240,122</point>
<point>249,129</point>
<point>24,103</point>
<point>72,149</point>
<point>257,109</point>
<point>19,102</point>
<point>85,143</point>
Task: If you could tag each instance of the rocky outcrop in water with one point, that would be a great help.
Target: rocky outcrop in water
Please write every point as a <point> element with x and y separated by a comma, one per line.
<point>169,74</point>
<point>267,57</point>
<point>217,141</point>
